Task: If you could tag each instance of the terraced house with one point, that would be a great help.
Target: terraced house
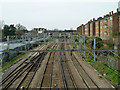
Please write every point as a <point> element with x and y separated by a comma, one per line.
<point>83,29</point>
<point>79,29</point>
<point>98,29</point>
<point>87,29</point>
<point>105,27</point>
<point>92,27</point>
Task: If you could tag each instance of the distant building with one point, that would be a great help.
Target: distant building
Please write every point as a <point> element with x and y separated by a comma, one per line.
<point>98,29</point>
<point>106,27</point>
<point>83,29</point>
<point>79,29</point>
<point>102,27</point>
<point>39,30</point>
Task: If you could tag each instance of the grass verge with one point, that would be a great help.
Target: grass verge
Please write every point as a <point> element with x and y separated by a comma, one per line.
<point>109,73</point>
<point>5,65</point>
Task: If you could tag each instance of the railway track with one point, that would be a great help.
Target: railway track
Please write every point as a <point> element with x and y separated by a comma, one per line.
<point>26,80</point>
<point>89,82</point>
<point>23,75</point>
<point>6,82</point>
<point>46,80</point>
<point>31,66</point>
<point>66,72</point>
<point>20,66</point>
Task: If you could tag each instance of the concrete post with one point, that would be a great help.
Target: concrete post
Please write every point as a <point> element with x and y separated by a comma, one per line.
<point>79,43</point>
<point>28,42</point>
<point>94,48</point>
<point>8,43</point>
<point>25,42</point>
<point>84,46</point>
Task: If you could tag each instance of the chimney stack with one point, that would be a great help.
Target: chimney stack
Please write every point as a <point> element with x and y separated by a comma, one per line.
<point>93,19</point>
<point>107,15</point>
<point>100,18</point>
<point>112,12</point>
<point>118,10</point>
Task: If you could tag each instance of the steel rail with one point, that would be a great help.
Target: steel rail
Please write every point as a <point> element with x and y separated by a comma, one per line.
<point>45,71</point>
<point>36,68</point>
<point>14,71</point>
<point>52,69</point>
<point>68,69</point>
<point>10,75</point>
<point>27,73</point>
<point>43,54</point>
<point>57,51</point>
<point>79,73</point>
<point>16,77</point>
<point>33,75</point>
<point>86,72</point>
<point>17,72</point>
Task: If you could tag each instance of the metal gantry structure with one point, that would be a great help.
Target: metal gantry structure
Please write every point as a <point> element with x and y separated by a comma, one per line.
<point>69,38</point>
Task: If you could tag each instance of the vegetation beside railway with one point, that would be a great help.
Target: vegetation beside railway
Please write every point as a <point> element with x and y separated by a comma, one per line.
<point>110,73</point>
<point>7,64</point>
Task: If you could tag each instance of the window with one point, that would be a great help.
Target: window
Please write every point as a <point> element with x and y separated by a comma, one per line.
<point>97,27</point>
<point>105,26</point>
<point>110,18</point>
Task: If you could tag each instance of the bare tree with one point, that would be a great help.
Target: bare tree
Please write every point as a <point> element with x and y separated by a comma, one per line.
<point>20,29</point>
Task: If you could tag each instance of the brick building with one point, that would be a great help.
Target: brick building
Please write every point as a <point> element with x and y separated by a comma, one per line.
<point>87,29</point>
<point>92,27</point>
<point>83,29</point>
<point>107,28</point>
<point>98,29</point>
<point>79,29</point>
<point>102,27</point>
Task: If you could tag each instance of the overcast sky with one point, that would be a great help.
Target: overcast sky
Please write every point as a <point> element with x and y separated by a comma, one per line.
<point>61,14</point>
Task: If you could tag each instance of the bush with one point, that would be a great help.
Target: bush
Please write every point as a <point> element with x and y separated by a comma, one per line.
<point>99,43</point>
<point>35,45</point>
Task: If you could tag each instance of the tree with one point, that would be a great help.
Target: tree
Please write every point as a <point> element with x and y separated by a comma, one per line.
<point>6,30</point>
<point>99,43</point>
<point>9,30</point>
<point>19,32</point>
<point>12,30</point>
<point>20,29</point>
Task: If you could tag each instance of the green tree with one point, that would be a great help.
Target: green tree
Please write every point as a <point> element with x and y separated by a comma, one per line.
<point>20,30</point>
<point>6,30</point>
<point>99,43</point>
<point>12,30</point>
<point>9,30</point>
